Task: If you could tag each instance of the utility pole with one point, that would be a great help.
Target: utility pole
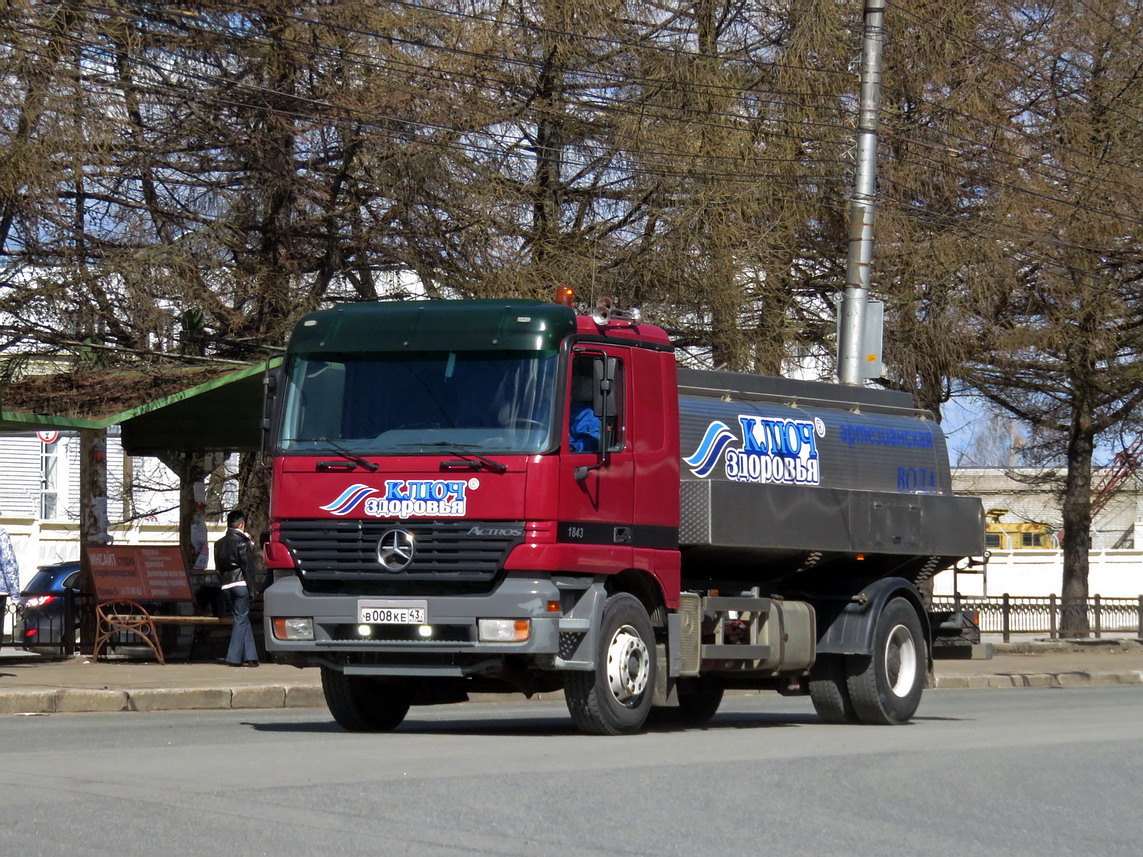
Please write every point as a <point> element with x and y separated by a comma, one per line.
<point>861,208</point>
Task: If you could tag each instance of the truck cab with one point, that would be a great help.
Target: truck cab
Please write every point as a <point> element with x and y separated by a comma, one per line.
<point>453,480</point>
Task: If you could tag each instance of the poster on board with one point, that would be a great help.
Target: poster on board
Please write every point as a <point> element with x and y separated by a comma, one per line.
<point>138,573</point>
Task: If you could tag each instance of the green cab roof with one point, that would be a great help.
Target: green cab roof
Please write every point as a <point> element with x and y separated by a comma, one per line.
<point>412,326</point>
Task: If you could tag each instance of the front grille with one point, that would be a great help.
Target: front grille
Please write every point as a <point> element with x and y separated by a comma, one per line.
<point>454,552</point>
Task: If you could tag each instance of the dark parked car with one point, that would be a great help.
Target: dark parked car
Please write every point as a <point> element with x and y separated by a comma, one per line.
<point>47,610</point>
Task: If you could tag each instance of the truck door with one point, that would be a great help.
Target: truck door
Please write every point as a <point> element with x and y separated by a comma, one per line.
<point>596,462</point>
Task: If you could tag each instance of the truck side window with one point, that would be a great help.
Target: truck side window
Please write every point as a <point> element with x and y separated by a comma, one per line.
<point>583,422</point>
<point>614,420</point>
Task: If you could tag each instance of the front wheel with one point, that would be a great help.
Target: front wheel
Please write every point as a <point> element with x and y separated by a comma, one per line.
<point>886,687</point>
<point>365,703</point>
<point>615,697</point>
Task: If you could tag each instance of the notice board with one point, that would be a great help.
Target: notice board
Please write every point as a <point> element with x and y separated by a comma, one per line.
<point>139,573</point>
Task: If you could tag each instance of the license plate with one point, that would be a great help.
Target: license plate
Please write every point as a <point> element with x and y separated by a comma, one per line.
<point>392,612</point>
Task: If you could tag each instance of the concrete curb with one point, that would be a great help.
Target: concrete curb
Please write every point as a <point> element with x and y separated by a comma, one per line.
<point>1091,646</point>
<point>1058,679</point>
<point>85,700</point>
<point>90,700</point>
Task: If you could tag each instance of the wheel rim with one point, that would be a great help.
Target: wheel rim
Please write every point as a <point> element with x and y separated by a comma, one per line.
<point>628,665</point>
<point>900,661</point>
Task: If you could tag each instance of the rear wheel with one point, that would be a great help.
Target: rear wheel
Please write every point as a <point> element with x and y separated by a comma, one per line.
<point>886,687</point>
<point>615,697</point>
<point>828,690</point>
<point>363,703</point>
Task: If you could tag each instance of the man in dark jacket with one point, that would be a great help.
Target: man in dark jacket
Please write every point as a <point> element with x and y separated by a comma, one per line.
<point>234,560</point>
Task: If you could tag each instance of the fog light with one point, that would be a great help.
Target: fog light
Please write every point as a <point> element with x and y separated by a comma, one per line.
<point>364,631</point>
<point>425,630</point>
<point>293,629</point>
<point>504,630</point>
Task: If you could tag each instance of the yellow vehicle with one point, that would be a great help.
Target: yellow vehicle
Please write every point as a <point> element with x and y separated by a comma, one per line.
<point>1017,535</point>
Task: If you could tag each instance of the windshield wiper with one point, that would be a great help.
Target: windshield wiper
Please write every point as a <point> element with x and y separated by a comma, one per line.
<point>466,454</point>
<point>372,467</point>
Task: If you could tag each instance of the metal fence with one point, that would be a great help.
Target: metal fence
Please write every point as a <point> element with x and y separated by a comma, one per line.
<point>7,619</point>
<point>56,632</point>
<point>1012,614</point>
<point>52,631</point>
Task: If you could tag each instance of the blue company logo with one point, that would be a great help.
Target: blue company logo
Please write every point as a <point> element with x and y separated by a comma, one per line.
<point>716,439</point>
<point>774,450</point>
<point>404,498</point>
<point>348,499</point>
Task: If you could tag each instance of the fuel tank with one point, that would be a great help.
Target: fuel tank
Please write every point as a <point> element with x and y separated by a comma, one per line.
<point>782,477</point>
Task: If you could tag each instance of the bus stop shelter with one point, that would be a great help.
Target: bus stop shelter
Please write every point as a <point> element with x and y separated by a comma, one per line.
<point>180,416</point>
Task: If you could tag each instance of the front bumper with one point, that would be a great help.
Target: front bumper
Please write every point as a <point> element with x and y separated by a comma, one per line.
<point>453,647</point>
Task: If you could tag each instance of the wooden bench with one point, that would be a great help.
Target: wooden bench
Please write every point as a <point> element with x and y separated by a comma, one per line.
<point>127,577</point>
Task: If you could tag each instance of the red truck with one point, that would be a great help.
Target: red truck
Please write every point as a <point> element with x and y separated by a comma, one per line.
<point>505,496</point>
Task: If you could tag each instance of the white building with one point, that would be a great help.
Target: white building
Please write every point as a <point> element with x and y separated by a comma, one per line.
<point>39,497</point>
<point>1015,497</point>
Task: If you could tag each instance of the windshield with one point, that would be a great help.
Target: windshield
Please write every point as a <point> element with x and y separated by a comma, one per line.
<point>480,401</point>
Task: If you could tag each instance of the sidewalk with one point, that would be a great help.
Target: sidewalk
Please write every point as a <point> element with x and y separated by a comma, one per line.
<point>31,685</point>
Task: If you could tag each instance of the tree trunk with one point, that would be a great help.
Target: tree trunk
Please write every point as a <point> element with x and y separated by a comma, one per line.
<point>254,494</point>
<point>93,529</point>
<point>1077,526</point>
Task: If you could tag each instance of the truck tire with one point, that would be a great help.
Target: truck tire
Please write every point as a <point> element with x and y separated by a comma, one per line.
<point>363,703</point>
<point>615,698</point>
<point>699,699</point>
<point>828,690</point>
<point>885,688</point>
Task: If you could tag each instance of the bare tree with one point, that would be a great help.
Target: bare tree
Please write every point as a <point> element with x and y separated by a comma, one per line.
<point>1060,335</point>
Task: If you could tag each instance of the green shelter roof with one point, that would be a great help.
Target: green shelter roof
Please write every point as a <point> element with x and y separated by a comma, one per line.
<point>187,410</point>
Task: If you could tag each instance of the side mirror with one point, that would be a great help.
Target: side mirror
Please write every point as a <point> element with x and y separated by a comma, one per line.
<point>603,386</point>
<point>271,381</point>
<point>605,406</point>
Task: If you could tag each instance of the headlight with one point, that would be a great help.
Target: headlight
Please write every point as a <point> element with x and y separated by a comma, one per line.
<point>297,628</point>
<point>504,630</point>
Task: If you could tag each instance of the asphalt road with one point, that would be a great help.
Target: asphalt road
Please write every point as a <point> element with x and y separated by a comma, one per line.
<point>1031,772</point>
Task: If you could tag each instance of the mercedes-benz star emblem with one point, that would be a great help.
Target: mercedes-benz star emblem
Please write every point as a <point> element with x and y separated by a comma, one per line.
<point>395,550</point>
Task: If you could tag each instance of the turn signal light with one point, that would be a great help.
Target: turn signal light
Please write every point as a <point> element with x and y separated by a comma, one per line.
<point>565,296</point>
